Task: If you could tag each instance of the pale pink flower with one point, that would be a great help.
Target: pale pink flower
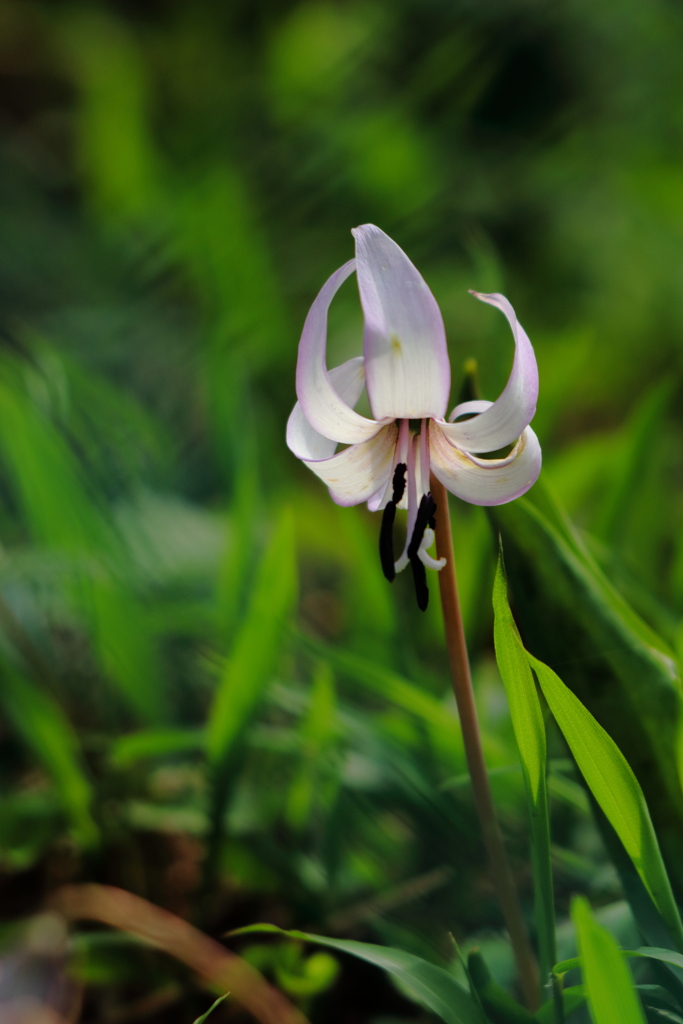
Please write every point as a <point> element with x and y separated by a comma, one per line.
<point>407,374</point>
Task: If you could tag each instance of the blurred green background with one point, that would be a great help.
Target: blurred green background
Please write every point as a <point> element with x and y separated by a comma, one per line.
<point>209,695</point>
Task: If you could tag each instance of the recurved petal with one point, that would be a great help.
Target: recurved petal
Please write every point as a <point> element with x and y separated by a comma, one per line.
<point>358,472</point>
<point>505,419</point>
<point>378,501</point>
<point>406,359</point>
<point>323,407</point>
<point>348,381</point>
<point>485,481</point>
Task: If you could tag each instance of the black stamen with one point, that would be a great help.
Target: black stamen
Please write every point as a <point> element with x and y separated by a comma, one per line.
<point>425,517</point>
<point>420,580</point>
<point>386,541</point>
<point>399,482</point>
<point>386,533</point>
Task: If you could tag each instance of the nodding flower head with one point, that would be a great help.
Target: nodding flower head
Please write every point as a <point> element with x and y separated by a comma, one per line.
<point>407,374</point>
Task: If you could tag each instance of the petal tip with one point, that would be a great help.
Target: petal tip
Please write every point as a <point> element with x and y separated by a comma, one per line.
<point>493,298</point>
<point>367,229</point>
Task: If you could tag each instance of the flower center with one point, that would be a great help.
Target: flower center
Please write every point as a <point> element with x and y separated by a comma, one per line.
<point>411,470</point>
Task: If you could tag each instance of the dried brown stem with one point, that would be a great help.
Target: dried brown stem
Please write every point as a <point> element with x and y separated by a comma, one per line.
<point>527,967</point>
<point>219,968</point>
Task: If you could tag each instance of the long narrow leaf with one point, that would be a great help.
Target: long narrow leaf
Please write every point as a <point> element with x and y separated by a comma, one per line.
<point>205,1016</point>
<point>60,512</point>
<point>527,721</point>
<point>433,987</point>
<point>612,997</point>
<point>46,730</point>
<point>666,956</point>
<point>571,615</point>
<point>443,724</point>
<point>249,667</point>
<point>614,787</point>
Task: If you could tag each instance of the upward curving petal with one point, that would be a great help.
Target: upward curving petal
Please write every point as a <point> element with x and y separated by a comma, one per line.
<point>324,409</point>
<point>358,472</point>
<point>485,481</point>
<point>505,419</point>
<point>406,359</point>
<point>348,381</point>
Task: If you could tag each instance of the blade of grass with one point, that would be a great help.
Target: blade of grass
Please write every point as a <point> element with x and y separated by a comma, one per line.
<point>612,997</point>
<point>248,671</point>
<point>527,722</point>
<point>317,732</point>
<point>432,986</point>
<point>205,1016</point>
<point>47,731</point>
<point>252,659</point>
<point>60,512</point>
<point>615,788</point>
<point>666,956</point>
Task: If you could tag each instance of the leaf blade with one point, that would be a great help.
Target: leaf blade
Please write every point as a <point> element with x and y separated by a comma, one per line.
<point>47,731</point>
<point>248,668</point>
<point>615,788</point>
<point>435,987</point>
<point>527,722</point>
<point>611,994</point>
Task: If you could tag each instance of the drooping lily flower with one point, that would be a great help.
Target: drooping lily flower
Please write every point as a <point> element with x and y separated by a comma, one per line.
<point>407,374</point>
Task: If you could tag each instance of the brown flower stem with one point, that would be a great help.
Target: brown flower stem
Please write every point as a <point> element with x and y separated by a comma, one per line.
<point>221,970</point>
<point>527,967</point>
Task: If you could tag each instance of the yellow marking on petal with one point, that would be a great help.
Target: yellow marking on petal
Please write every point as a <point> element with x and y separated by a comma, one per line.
<point>396,346</point>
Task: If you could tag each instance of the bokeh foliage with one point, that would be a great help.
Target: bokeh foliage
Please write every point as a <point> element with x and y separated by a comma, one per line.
<point>209,694</point>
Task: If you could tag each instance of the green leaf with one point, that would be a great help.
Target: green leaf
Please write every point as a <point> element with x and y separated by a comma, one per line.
<point>205,1016</point>
<point>116,151</point>
<point>640,436</point>
<point>47,731</point>
<point>126,649</point>
<point>396,689</point>
<point>44,472</point>
<point>571,616</point>
<point>257,644</point>
<point>615,789</point>
<point>610,991</point>
<point>136,746</point>
<point>527,721</point>
<point>60,512</point>
<point>667,956</point>
<point>317,733</point>
<point>432,986</point>
<point>646,917</point>
<point>500,1007</point>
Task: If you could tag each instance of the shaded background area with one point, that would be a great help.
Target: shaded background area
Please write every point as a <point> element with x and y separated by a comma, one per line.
<point>210,696</point>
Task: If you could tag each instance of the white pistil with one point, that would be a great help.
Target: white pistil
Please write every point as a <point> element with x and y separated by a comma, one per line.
<point>425,558</point>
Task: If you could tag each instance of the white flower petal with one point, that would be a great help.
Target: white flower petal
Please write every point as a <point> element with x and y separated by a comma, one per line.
<point>348,381</point>
<point>485,481</point>
<point>477,406</point>
<point>406,359</point>
<point>358,472</point>
<point>379,501</point>
<point>505,419</point>
<point>322,406</point>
